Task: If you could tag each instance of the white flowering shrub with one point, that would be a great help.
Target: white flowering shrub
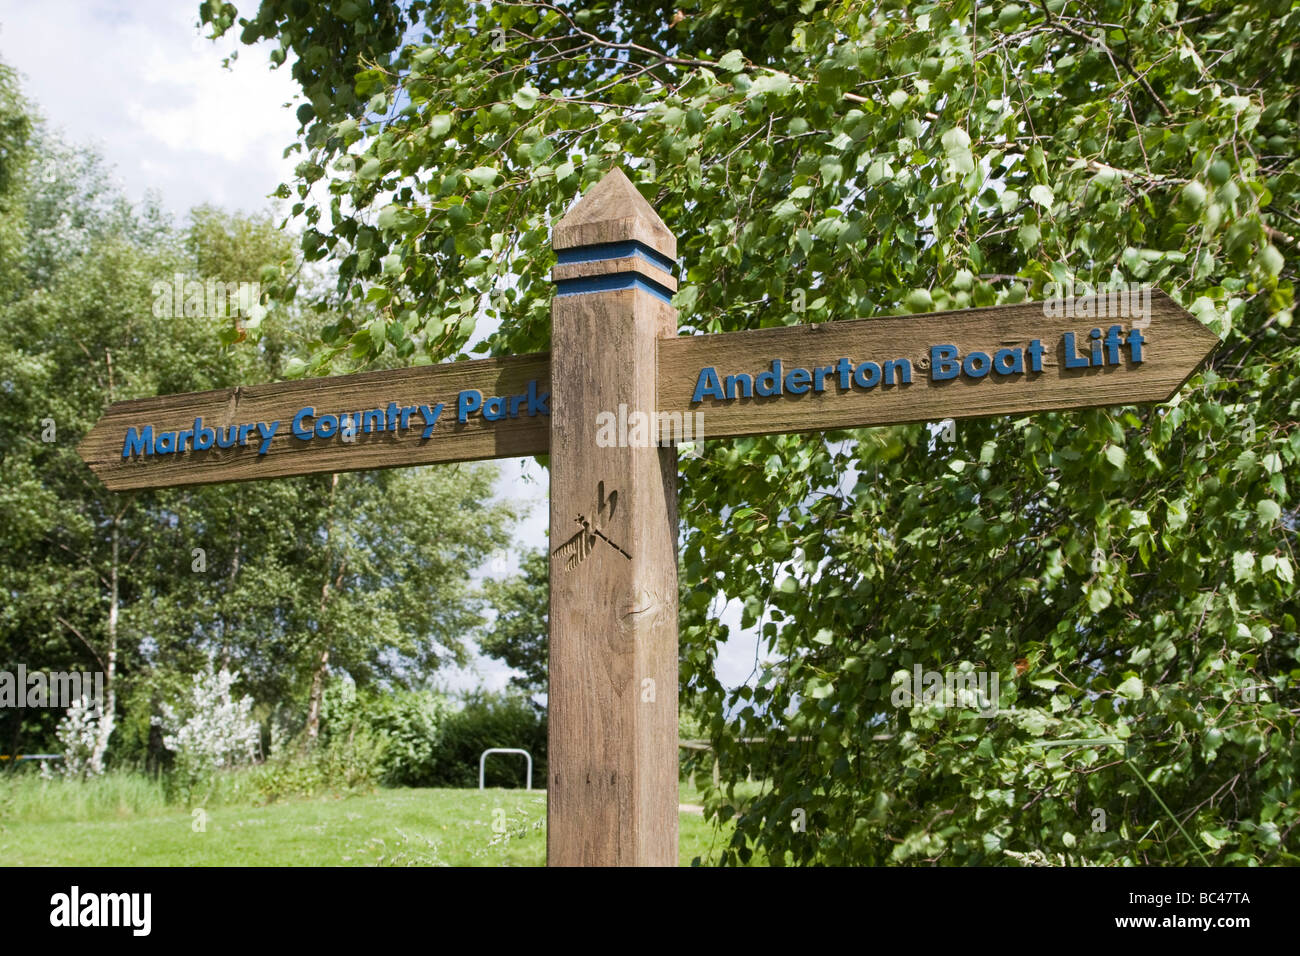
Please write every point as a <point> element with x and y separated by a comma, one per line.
<point>211,730</point>
<point>77,733</point>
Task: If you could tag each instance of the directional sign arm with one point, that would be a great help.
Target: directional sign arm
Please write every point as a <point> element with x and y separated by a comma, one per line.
<point>867,372</point>
<point>390,426</point>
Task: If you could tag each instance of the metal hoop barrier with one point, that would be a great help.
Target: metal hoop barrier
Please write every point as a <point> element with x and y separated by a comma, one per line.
<point>505,750</point>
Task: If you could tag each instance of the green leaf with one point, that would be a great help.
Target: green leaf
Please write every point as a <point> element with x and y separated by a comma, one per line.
<point>1284,569</point>
<point>439,125</point>
<point>525,97</point>
<point>1042,195</point>
<point>482,176</point>
<point>733,61</point>
<point>1131,688</point>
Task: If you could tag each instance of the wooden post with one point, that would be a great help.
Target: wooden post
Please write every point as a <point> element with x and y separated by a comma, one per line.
<point>612,787</point>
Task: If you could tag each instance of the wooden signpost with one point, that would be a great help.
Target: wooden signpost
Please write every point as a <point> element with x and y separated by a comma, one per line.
<point>612,788</point>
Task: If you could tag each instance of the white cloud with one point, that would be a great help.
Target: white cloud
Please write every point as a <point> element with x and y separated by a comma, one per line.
<point>140,82</point>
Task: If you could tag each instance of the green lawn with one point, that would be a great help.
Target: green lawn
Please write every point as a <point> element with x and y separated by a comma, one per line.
<point>386,828</point>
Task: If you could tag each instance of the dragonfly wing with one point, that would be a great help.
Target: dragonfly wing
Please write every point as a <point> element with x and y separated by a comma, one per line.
<point>571,551</point>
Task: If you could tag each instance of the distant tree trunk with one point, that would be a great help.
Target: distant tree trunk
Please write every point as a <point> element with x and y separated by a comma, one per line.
<point>229,625</point>
<point>109,703</point>
<point>317,691</point>
<point>322,663</point>
<point>110,658</point>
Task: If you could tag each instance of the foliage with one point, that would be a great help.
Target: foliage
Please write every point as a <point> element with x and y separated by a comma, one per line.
<point>36,798</point>
<point>1129,573</point>
<point>363,571</point>
<point>519,634</point>
<point>77,732</point>
<point>210,730</point>
<point>16,122</point>
<point>430,740</point>
<point>492,720</point>
<point>347,764</point>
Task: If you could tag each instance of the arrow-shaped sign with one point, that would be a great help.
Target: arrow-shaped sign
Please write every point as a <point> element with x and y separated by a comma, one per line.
<point>1121,349</point>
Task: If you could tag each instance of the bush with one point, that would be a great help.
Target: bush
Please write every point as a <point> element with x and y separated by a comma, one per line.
<point>492,720</point>
<point>211,731</point>
<point>428,741</point>
<point>345,764</point>
<point>77,733</point>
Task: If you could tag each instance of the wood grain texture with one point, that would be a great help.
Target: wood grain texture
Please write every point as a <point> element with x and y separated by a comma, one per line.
<point>613,211</point>
<point>1176,345</point>
<point>612,757</point>
<point>449,441</point>
<point>602,267</point>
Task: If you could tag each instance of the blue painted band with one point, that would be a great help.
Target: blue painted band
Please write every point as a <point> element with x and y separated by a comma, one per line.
<point>615,250</point>
<point>611,283</point>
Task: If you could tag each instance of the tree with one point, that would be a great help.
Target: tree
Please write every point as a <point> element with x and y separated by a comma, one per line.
<point>1128,572</point>
<point>520,634</point>
<point>15,139</point>
<point>282,580</point>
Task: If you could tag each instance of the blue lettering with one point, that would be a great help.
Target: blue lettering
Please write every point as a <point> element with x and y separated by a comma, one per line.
<point>430,417</point>
<point>740,383</point>
<point>538,404</point>
<point>300,431</point>
<point>866,375</point>
<point>897,370</point>
<point>203,436</point>
<point>768,383</point>
<point>943,362</point>
<point>1072,359</point>
<point>138,443</point>
<point>268,430</point>
<point>1008,361</point>
<point>707,386</point>
<point>327,426</point>
<point>467,402</point>
<point>977,364</point>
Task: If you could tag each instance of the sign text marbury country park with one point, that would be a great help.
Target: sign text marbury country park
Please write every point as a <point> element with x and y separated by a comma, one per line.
<point>612,787</point>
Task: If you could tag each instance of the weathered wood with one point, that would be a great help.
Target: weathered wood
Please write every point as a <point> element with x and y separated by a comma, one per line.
<point>1175,346</point>
<point>286,455</point>
<point>612,756</point>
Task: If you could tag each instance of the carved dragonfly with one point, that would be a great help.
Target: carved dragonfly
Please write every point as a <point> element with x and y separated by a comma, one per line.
<point>583,542</point>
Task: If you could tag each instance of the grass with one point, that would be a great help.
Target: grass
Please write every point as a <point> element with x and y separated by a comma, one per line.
<point>123,820</point>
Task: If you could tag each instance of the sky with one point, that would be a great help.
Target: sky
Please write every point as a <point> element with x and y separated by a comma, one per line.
<point>137,80</point>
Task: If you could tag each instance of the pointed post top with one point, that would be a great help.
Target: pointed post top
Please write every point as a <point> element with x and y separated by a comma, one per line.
<point>613,211</point>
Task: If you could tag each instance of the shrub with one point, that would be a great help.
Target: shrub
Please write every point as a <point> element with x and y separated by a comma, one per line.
<point>211,731</point>
<point>77,733</point>
<point>492,720</point>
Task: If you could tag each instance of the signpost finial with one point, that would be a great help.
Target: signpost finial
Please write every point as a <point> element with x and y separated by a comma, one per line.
<point>614,211</point>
